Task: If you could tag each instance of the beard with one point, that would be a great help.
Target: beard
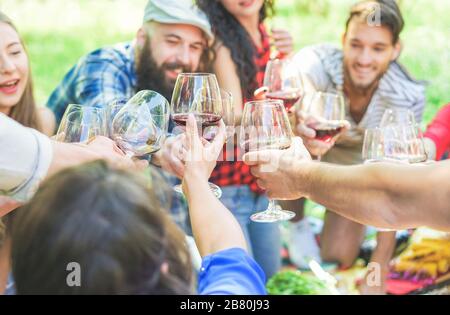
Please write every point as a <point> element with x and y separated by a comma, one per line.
<point>150,76</point>
<point>364,88</point>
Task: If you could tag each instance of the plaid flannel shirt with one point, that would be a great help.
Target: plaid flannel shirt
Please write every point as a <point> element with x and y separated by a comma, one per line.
<point>236,172</point>
<point>98,78</point>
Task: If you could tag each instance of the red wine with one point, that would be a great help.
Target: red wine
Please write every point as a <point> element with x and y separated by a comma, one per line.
<point>325,131</point>
<point>288,98</point>
<point>204,120</point>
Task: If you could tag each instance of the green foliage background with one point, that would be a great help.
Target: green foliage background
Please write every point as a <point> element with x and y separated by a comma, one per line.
<point>57,33</point>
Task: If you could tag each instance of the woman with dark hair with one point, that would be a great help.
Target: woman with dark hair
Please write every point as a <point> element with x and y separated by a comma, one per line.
<point>17,101</point>
<point>242,50</point>
<point>95,230</point>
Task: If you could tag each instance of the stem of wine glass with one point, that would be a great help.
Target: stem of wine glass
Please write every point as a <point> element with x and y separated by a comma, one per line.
<point>319,158</point>
<point>272,207</point>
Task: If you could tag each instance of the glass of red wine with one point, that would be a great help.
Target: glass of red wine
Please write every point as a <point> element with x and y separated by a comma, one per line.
<point>198,94</point>
<point>284,82</point>
<point>141,125</point>
<point>228,117</point>
<point>265,126</point>
<point>325,114</point>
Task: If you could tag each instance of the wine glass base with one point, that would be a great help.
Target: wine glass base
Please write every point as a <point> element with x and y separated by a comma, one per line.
<point>214,188</point>
<point>269,216</point>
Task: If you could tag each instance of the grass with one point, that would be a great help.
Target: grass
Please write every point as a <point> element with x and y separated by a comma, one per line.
<point>57,33</point>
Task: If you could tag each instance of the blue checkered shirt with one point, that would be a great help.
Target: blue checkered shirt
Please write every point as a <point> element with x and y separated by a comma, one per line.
<point>98,78</point>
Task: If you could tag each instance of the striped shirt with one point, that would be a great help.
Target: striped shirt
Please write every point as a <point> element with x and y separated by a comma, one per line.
<point>322,68</point>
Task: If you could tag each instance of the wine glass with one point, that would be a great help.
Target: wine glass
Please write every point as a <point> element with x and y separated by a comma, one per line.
<point>283,82</point>
<point>397,116</point>
<point>197,94</point>
<point>141,125</point>
<point>81,124</point>
<point>325,113</point>
<point>374,150</point>
<point>404,143</point>
<point>396,143</point>
<point>266,127</point>
<point>111,111</point>
<point>228,117</point>
<point>393,144</point>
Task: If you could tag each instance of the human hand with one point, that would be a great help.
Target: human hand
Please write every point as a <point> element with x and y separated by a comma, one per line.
<point>283,42</point>
<point>100,148</point>
<point>277,170</point>
<point>315,147</point>
<point>107,150</point>
<point>170,156</point>
<point>200,156</point>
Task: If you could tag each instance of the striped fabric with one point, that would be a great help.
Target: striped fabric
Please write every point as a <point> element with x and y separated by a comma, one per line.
<point>321,67</point>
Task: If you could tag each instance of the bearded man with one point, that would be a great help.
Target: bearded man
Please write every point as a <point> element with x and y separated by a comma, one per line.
<point>175,37</point>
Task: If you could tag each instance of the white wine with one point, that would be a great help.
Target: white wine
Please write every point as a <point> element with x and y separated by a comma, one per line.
<point>138,147</point>
<point>266,144</point>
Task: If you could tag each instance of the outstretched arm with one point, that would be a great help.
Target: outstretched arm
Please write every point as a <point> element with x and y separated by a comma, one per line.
<point>214,226</point>
<point>385,195</point>
<point>381,194</point>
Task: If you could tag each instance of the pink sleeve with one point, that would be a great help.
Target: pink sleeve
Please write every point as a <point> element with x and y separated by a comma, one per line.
<point>439,131</point>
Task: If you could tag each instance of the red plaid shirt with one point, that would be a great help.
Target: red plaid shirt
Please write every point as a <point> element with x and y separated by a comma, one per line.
<point>236,172</point>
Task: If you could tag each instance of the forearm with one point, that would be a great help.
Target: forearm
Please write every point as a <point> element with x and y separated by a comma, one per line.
<point>68,155</point>
<point>213,225</point>
<point>381,194</point>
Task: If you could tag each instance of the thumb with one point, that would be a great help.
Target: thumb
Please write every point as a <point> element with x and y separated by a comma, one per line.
<point>257,157</point>
<point>191,131</point>
<point>221,136</point>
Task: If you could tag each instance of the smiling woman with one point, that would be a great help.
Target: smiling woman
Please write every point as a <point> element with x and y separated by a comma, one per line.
<point>16,101</point>
<point>16,86</point>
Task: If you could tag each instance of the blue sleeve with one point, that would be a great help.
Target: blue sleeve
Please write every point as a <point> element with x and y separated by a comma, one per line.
<point>229,272</point>
<point>99,82</point>
<point>94,81</point>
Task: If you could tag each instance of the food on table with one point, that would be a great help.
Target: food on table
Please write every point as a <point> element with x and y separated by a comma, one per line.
<point>426,258</point>
<point>294,282</point>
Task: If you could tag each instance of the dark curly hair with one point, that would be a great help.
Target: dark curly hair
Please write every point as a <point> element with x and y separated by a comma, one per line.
<point>232,34</point>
